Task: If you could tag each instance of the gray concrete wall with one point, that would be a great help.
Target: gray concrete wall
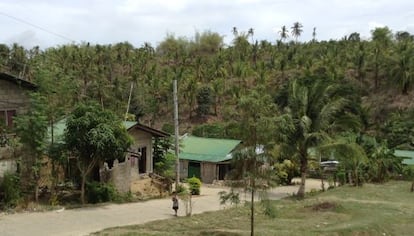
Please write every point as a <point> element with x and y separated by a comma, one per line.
<point>143,139</point>
<point>121,175</point>
<point>7,166</point>
<point>7,162</point>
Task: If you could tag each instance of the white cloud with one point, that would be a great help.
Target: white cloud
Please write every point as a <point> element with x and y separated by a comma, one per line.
<point>139,21</point>
<point>138,6</point>
<point>27,38</point>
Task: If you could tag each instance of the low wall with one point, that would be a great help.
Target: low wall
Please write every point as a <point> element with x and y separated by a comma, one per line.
<point>7,166</point>
<point>121,175</point>
<point>7,162</point>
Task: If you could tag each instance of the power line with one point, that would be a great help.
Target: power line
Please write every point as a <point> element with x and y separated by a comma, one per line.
<point>37,27</point>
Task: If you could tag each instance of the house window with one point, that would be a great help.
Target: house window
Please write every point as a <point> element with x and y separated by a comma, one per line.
<point>6,118</point>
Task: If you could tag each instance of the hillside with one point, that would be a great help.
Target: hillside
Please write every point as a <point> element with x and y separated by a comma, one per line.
<point>213,78</point>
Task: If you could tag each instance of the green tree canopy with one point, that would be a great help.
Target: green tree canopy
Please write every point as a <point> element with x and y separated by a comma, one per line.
<point>32,131</point>
<point>94,135</point>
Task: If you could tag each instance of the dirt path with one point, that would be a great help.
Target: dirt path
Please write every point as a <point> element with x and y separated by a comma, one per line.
<point>87,220</point>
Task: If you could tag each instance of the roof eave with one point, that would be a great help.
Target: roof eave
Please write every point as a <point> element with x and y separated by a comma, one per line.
<point>18,81</point>
<point>155,132</point>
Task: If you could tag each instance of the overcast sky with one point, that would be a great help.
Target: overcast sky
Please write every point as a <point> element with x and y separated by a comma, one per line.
<point>48,23</point>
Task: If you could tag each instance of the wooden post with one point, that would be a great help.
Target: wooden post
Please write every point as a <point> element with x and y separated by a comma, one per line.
<point>129,101</point>
<point>177,161</point>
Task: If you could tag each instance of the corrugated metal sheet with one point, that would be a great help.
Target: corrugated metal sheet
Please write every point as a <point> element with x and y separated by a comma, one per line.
<point>207,149</point>
<point>407,155</point>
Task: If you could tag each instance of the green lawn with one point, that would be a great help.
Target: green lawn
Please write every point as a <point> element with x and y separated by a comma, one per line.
<point>386,209</point>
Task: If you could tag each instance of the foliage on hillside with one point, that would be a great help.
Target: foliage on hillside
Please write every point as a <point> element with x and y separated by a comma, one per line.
<point>352,98</point>
<point>213,76</point>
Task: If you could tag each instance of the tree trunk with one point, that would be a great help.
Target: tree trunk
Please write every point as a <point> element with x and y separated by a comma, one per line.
<point>36,178</point>
<point>356,178</point>
<point>54,179</point>
<point>36,192</point>
<point>405,89</point>
<point>83,189</point>
<point>85,170</point>
<point>252,214</point>
<point>303,170</point>
<point>322,183</point>
<point>412,187</point>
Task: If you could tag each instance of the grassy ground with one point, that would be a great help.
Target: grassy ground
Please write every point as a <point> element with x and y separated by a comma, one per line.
<point>386,209</point>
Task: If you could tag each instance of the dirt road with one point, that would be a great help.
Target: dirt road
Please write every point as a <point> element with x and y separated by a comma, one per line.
<point>87,220</point>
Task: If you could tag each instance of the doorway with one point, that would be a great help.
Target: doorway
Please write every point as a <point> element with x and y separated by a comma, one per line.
<point>194,170</point>
<point>142,163</point>
<point>223,170</point>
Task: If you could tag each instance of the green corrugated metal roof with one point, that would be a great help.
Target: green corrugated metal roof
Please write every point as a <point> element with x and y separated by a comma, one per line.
<point>407,155</point>
<point>58,130</point>
<point>207,149</point>
<point>129,124</point>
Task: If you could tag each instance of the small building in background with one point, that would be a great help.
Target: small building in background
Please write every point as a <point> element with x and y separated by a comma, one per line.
<point>208,159</point>
<point>407,155</point>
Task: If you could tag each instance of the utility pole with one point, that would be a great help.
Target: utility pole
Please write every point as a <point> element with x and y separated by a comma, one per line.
<point>129,101</point>
<point>177,161</point>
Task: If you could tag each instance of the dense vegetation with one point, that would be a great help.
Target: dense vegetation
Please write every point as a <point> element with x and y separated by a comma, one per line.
<point>351,98</point>
<point>213,77</point>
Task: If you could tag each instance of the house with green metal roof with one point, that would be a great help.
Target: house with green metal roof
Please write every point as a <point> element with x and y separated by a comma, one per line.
<point>206,158</point>
<point>407,155</point>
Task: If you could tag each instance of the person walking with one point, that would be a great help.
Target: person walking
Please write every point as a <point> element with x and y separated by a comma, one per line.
<point>175,203</point>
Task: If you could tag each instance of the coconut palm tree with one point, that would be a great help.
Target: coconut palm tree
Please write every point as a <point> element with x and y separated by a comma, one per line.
<point>381,38</point>
<point>315,109</point>
<point>296,30</point>
<point>314,34</point>
<point>283,33</point>
<point>235,31</point>
<point>251,33</point>
<point>401,66</point>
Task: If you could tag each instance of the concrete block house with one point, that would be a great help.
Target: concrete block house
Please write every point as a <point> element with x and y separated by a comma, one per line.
<point>130,174</point>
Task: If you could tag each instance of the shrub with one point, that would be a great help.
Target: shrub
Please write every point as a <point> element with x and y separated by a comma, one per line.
<point>341,177</point>
<point>181,189</point>
<point>408,172</point>
<point>100,192</point>
<point>123,197</point>
<point>11,190</point>
<point>195,185</point>
<point>229,197</point>
<point>285,171</point>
